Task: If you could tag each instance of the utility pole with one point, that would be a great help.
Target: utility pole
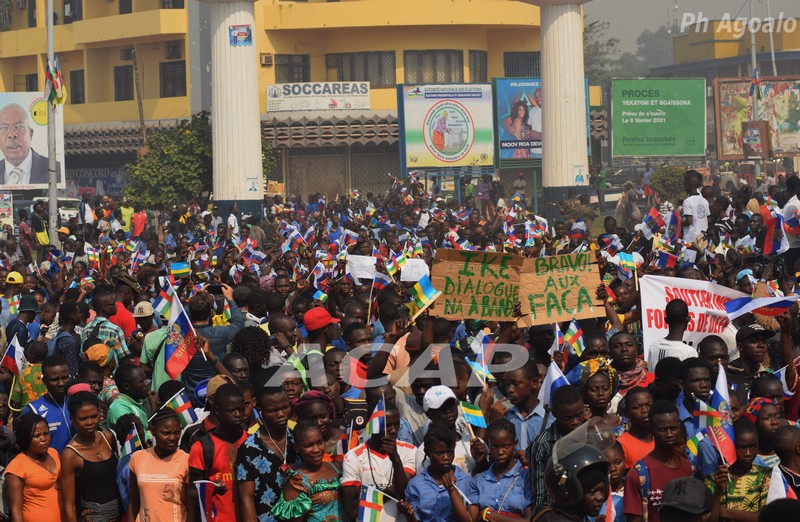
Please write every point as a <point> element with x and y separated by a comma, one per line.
<point>754,63</point>
<point>52,191</point>
<point>772,40</point>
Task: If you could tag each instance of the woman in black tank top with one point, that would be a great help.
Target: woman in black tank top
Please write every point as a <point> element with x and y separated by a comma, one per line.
<point>89,466</point>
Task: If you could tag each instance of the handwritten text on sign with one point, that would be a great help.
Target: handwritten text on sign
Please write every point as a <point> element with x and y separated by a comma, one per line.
<point>476,285</point>
<point>557,288</point>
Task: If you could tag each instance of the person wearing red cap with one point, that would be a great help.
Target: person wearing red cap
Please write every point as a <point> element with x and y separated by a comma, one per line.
<point>322,328</point>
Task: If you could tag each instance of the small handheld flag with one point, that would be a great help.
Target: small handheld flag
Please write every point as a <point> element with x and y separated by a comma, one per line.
<point>473,415</point>
<point>552,381</point>
<point>132,442</point>
<point>574,338</point>
<point>424,294</point>
<point>14,358</point>
<point>179,270</point>
<point>377,421</point>
<point>183,407</point>
<point>180,346</point>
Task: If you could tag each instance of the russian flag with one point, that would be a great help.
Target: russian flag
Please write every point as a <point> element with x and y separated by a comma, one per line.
<point>779,487</point>
<point>14,358</point>
<point>483,346</point>
<point>552,381</point>
<point>721,435</point>
<point>652,223</point>
<point>769,306</point>
<point>781,375</point>
<point>180,346</point>
<point>674,226</point>
<point>558,342</point>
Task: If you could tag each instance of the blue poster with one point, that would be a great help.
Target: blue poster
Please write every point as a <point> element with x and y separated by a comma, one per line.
<point>241,35</point>
<point>519,117</point>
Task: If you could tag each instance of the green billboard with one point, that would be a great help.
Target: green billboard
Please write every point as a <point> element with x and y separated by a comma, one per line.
<point>658,117</point>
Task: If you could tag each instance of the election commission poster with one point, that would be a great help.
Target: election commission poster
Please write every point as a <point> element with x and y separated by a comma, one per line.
<point>658,117</point>
<point>449,125</point>
<point>23,142</point>
<point>779,107</point>
<point>519,105</point>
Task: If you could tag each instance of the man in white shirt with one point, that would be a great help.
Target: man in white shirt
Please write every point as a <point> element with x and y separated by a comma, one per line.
<point>790,213</point>
<point>695,207</point>
<point>677,319</point>
<point>233,221</point>
<point>381,461</point>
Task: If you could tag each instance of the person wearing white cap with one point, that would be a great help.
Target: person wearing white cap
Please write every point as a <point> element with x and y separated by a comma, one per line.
<point>441,406</point>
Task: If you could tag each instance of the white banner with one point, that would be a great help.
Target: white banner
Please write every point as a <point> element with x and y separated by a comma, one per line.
<point>706,303</point>
<point>362,267</point>
<point>413,270</point>
<point>318,96</point>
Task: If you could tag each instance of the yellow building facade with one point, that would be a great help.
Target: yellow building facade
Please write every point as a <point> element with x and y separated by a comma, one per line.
<point>106,48</point>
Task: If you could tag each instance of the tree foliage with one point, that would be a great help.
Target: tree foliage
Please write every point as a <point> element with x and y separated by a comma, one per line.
<point>178,164</point>
<point>600,53</point>
<point>668,181</point>
<point>603,61</point>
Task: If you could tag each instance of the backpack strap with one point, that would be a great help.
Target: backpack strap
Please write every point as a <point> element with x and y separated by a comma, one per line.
<point>207,445</point>
<point>644,484</point>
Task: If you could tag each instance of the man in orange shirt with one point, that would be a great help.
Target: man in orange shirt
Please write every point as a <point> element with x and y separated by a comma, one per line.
<point>139,221</point>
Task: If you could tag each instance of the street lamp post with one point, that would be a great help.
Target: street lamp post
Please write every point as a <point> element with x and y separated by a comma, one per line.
<point>52,168</point>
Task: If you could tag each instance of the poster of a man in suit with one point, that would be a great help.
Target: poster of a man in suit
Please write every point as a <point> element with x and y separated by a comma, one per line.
<point>23,142</point>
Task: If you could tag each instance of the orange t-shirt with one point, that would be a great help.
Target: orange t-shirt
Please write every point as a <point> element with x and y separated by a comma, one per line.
<point>161,484</point>
<point>634,449</point>
<point>39,495</point>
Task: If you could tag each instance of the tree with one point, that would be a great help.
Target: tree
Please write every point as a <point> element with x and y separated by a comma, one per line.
<point>668,181</point>
<point>178,164</point>
<point>600,53</point>
<point>655,47</point>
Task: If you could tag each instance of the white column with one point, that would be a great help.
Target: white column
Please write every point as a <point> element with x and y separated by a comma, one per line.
<point>564,142</point>
<point>235,118</point>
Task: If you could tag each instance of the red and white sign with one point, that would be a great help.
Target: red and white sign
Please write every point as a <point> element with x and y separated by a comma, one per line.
<point>706,303</point>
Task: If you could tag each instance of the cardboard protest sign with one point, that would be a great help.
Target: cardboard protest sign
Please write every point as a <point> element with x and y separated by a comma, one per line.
<point>476,285</point>
<point>555,289</point>
<point>706,303</point>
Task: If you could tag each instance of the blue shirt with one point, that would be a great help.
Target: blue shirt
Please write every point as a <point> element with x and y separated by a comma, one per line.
<point>431,501</point>
<point>405,433</point>
<point>510,494</point>
<point>57,417</point>
<point>528,428</point>
<point>687,419</point>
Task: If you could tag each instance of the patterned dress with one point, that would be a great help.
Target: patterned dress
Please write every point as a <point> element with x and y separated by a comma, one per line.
<point>746,493</point>
<point>318,502</point>
<point>256,462</point>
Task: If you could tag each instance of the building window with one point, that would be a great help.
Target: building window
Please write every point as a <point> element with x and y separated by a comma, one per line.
<point>32,82</point>
<point>434,66</point>
<point>521,64</point>
<point>478,68</point>
<point>123,83</point>
<point>77,94</point>
<point>292,68</point>
<point>173,79</point>
<point>172,4</point>
<point>377,68</point>
<point>26,82</point>
<point>73,11</point>
<point>125,6</point>
<point>32,13</point>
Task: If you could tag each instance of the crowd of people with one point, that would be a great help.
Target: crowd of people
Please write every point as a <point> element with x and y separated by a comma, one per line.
<point>311,392</point>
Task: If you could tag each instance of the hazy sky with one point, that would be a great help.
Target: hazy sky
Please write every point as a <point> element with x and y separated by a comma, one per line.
<point>629,18</point>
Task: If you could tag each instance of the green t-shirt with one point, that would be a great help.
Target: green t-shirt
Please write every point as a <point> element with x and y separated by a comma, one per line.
<point>154,342</point>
